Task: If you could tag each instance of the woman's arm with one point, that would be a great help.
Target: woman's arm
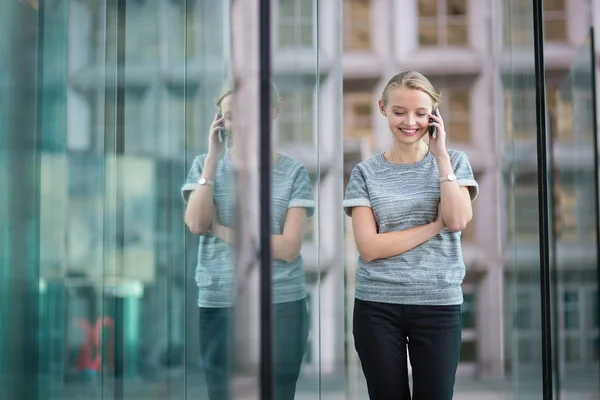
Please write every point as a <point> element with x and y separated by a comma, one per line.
<point>285,247</point>
<point>455,200</point>
<point>200,209</point>
<point>373,246</point>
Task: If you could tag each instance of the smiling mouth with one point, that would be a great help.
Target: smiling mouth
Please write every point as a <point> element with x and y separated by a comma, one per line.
<point>409,132</point>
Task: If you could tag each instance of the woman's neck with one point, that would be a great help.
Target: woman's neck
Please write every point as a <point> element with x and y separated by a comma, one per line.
<point>403,154</point>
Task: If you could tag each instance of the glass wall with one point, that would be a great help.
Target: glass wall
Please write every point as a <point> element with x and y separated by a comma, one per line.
<point>129,268</point>
<point>554,264</point>
<point>575,225</point>
<point>522,318</point>
<point>140,159</point>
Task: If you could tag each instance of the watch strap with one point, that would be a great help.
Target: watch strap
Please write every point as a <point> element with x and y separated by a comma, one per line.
<point>204,181</point>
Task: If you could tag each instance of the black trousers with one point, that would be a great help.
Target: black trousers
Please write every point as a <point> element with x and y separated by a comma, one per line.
<point>432,334</point>
<point>290,321</point>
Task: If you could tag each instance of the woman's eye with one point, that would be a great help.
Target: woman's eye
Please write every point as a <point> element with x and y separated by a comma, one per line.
<point>399,113</point>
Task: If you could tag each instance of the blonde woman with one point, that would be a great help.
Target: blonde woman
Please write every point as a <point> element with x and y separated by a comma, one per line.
<point>408,206</point>
<point>210,195</point>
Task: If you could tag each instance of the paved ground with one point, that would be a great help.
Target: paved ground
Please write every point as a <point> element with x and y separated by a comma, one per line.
<point>331,388</point>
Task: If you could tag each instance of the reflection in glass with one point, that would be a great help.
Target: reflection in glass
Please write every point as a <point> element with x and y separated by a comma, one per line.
<point>210,213</point>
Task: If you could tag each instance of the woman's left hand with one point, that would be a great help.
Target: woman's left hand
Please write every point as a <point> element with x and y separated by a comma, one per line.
<point>437,142</point>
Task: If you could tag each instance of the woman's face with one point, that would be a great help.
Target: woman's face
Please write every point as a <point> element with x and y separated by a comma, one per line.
<point>226,110</point>
<point>407,112</point>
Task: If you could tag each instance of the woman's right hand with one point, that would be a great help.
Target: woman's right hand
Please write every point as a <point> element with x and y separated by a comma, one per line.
<point>216,149</point>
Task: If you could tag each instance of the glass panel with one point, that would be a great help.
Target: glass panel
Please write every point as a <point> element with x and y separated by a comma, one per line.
<point>521,265</point>
<point>576,218</point>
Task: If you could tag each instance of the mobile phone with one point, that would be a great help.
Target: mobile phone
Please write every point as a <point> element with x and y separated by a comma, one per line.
<point>222,132</point>
<point>432,128</point>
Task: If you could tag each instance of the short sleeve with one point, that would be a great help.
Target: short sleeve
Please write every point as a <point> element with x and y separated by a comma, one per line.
<point>464,174</point>
<point>302,193</point>
<point>192,179</point>
<point>357,194</point>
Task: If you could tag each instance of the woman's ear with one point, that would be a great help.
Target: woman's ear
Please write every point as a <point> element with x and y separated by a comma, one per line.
<point>381,108</point>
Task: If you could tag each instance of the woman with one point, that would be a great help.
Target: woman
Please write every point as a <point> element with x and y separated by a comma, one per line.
<point>408,206</point>
<point>210,194</point>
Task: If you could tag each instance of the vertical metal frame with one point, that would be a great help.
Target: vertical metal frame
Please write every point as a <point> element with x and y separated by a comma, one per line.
<point>543,194</point>
<point>251,71</point>
<point>592,50</point>
<point>266,312</point>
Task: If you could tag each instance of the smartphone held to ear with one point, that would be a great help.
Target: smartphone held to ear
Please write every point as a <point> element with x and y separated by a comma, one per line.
<point>222,134</point>
<point>432,128</point>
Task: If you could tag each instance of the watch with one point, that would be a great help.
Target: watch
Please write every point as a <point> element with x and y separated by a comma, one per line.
<point>450,178</point>
<point>204,181</point>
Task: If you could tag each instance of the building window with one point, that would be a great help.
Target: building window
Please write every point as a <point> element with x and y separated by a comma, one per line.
<point>555,21</point>
<point>520,112</point>
<point>357,25</point>
<point>443,23</point>
<point>523,211</point>
<point>517,25</point>
<point>358,116</point>
<point>456,110</point>
<point>296,124</point>
<point>296,23</point>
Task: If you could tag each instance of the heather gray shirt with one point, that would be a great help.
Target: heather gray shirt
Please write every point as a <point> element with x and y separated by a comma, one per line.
<point>290,187</point>
<point>404,196</point>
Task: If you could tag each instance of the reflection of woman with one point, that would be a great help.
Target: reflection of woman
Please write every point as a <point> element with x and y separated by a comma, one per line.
<point>210,194</point>
<point>408,206</point>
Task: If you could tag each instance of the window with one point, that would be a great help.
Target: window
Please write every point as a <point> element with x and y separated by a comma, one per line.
<point>358,116</point>
<point>296,23</point>
<point>443,23</point>
<point>296,120</point>
<point>456,107</point>
<point>571,308</point>
<point>520,113</point>
<point>565,217</point>
<point>517,25</point>
<point>524,208</point>
<point>555,21</point>
<point>357,25</point>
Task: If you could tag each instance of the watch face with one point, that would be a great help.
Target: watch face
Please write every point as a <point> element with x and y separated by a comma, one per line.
<point>451,177</point>
<point>202,181</point>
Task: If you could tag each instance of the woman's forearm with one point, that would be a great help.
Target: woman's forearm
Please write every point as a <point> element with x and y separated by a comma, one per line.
<point>384,245</point>
<point>281,248</point>
<point>200,209</point>
<point>455,202</point>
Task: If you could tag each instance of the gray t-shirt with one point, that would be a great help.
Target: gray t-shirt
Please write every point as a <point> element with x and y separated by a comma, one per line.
<point>404,196</point>
<point>290,187</point>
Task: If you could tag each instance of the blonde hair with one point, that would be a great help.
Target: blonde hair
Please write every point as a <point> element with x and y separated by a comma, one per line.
<point>275,98</point>
<point>411,80</point>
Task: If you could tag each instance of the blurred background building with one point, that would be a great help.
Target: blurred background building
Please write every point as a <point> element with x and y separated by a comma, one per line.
<point>104,105</point>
